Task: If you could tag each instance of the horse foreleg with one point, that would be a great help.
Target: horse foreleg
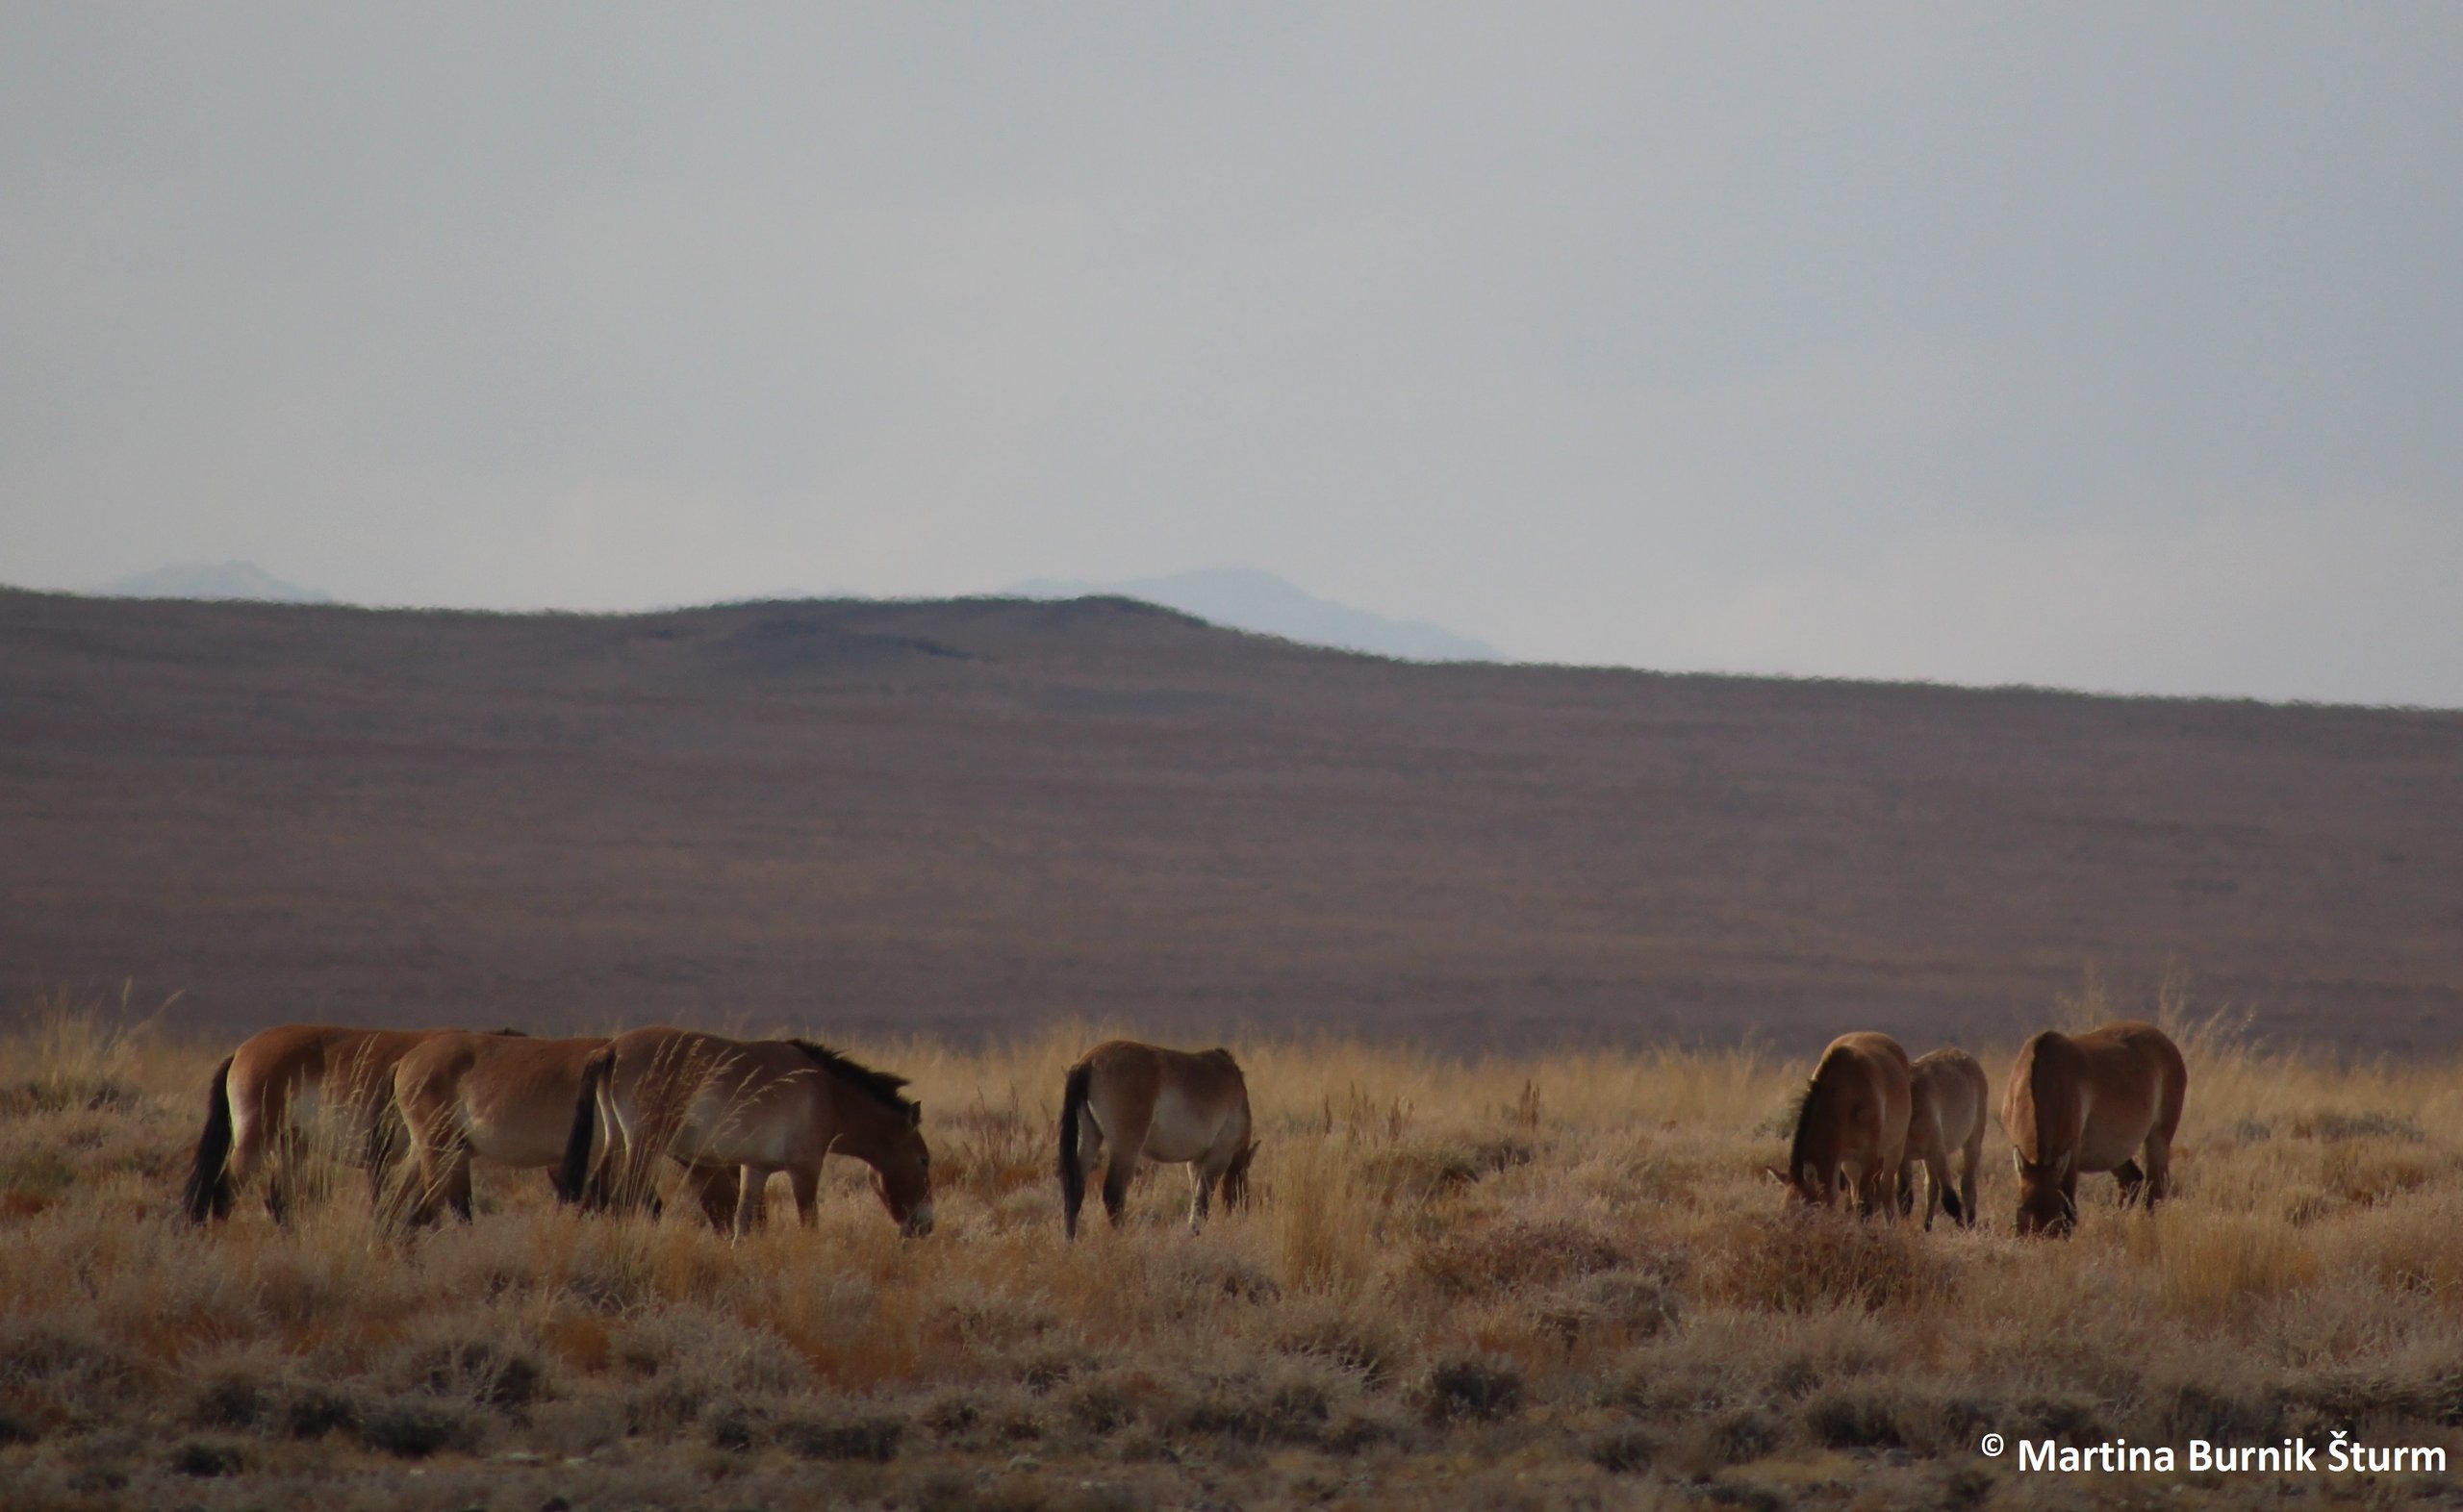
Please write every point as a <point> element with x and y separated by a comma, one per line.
<point>1204,1173</point>
<point>806,1182</point>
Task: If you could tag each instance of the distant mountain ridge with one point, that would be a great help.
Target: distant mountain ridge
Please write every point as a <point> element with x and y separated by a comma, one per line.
<point>244,580</point>
<point>1249,598</point>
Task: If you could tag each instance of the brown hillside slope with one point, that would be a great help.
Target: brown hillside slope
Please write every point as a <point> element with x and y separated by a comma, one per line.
<point>972,814</point>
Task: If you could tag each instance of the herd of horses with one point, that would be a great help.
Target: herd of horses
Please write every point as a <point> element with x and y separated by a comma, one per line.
<point>2073,1105</point>
<point>607,1118</point>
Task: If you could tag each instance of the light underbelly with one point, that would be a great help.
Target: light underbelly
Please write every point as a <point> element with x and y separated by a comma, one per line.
<point>1181,1131</point>
<point>723,1132</point>
<point>518,1142</point>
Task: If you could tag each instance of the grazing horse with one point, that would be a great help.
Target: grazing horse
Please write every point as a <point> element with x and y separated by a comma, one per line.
<point>1171,1106</point>
<point>509,1100</point>
<point>264,1094</point>
<point>1851,1127</point>
<point>2082,1103</point>
<point>1947,1097</point>
<point>760,1105</point>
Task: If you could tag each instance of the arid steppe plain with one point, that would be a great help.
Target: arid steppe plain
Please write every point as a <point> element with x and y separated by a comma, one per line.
<point>1523,964</point>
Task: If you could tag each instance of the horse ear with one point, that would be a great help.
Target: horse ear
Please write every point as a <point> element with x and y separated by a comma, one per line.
<point>915,1114</point>
<point>2017,1163</point>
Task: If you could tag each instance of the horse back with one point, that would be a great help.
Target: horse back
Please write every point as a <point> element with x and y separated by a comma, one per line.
<point>2135,1076</point>
<point>1947,1093</point>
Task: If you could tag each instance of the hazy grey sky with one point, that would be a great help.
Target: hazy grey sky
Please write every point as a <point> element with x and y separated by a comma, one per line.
<point>2112,347</point>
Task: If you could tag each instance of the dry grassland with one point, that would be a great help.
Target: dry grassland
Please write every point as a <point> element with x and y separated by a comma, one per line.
<point>1559,1282</point>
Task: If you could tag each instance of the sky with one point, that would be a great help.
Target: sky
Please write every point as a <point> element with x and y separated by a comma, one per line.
<point>2107,347</point>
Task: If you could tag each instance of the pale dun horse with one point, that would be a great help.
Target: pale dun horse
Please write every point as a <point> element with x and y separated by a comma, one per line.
<point>1949,1097</point>
<point>280,1084</point>
<point>1851,1129</point>
<point>760,1105</point>
<point>2077,1104</point>
<point>506,1101</point>
<point>1173,1107</point>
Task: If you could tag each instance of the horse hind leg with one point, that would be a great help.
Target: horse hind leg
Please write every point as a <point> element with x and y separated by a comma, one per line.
<point>2133,1182</point>
<point>2159,1170</point>
<point>1117,1176</point>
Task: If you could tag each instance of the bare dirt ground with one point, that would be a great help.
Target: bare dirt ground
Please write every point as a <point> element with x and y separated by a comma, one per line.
<point>977,816</point>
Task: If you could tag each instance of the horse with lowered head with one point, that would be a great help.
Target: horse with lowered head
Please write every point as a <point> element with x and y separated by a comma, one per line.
<point>282,1083</point>
<point>1174,1107</point>
<point>2077,1104</point>
<point>1851,1127</point>
<point>1948,1095</point>
<point>762,1106</point>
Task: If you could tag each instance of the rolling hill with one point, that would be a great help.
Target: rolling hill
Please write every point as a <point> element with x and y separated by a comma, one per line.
<point>975,815</point>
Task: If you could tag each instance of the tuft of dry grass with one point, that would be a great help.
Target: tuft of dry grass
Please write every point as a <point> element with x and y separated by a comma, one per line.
<point>1552,1280</point>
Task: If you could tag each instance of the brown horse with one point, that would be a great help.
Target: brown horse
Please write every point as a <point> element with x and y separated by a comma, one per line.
<point>2077,1104</point>
<point>263,1098</point>
<point>1948,1099</point>
<point>1170,1106</point>
<point>509,1100</point>
<point>761,1105</point>
<point>1851,1127</point>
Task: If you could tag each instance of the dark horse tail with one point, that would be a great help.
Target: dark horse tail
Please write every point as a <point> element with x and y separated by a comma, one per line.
<point>1073,1172</point>
<point>573,1177</point>
<point>208,1188</point>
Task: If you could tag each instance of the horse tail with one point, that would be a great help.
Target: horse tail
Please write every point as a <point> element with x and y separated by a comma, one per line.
<point>208,1188</point>
<point>1073,1172</point>
<point>573,1177</point>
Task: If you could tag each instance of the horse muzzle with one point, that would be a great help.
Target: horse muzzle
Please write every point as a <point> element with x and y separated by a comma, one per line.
<point>919,1223</point>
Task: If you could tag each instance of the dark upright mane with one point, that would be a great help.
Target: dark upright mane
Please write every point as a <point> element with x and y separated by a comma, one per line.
<point>879,1085</point>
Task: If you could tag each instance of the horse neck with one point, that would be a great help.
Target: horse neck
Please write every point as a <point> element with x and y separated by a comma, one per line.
<point>1817,1139</point>
<point>858,1123</point>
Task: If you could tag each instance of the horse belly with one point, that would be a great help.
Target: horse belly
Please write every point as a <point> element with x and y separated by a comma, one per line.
<point>1181,1130</point>
<point>723,1131</point>
<point>518,1141</point>
<point>2110,1138</point>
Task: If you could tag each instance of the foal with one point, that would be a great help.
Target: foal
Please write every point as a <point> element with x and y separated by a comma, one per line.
<point>1948,1098</point>
<point>1170,1106</point>
<point>762,1105</point>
